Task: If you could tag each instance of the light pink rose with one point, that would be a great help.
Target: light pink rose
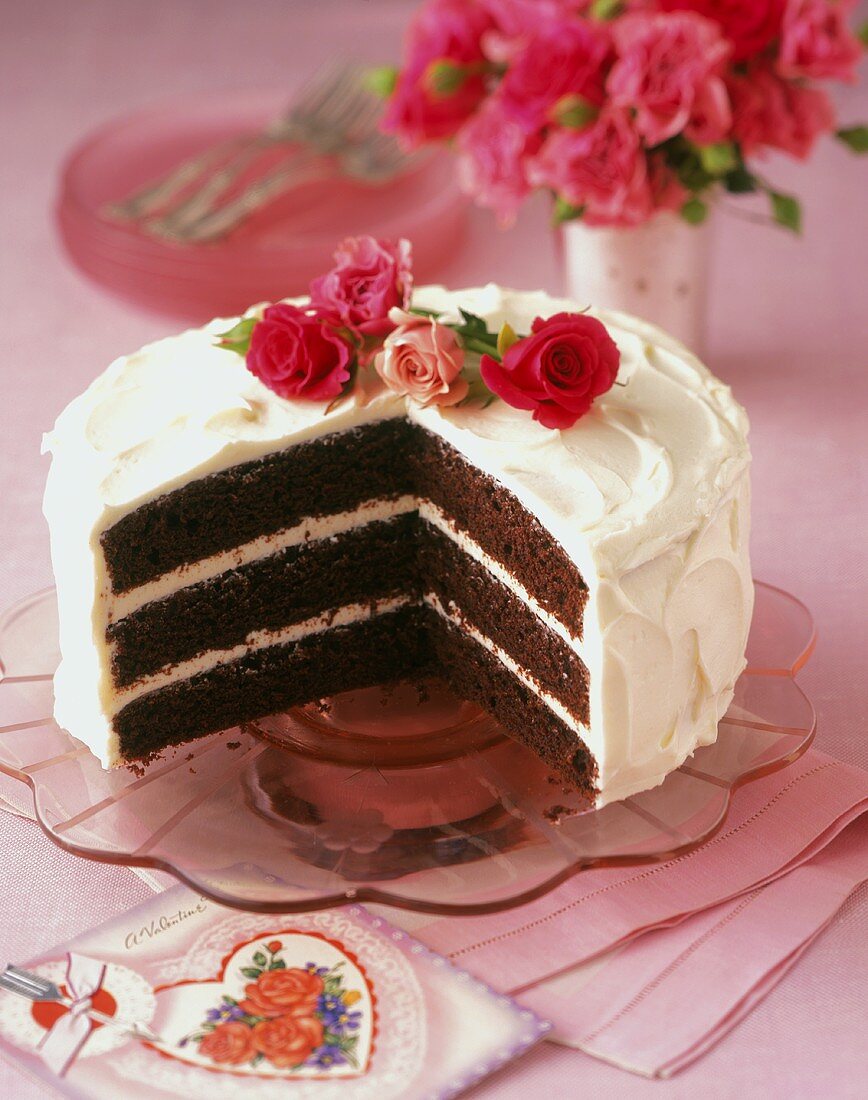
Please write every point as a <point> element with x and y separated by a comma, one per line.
<point>369,278</point>
<point>669,68</point>
<point>493,162</point>
<point>817,42</point>
<point>422,359</point>
<point>602,168</point>
<point>561,58</point>
<point>769,112</point>
<point>448,31</point>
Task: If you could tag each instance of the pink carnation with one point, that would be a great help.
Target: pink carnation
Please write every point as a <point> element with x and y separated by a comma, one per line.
<point>668,71</point>
<point>423,360</point>
<point>516,18</point>
<point>493,162</point>
<point>448,31</point>
<point>369,278</point>
<point>602,168</point>
<point>817,42</point>
<point>750,25</point>
<point>564,58</point>
<point>779,114</point>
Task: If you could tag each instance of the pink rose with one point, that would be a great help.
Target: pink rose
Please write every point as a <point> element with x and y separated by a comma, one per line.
<point>444,31</point>
<point>750,25</point>
<point>296,355</point>
<point>562,58</point>
<point>776,113</point>
<point>493,162</point>
<point>423,360</point>
<point>602,168</point>
<point>558,370</point>
<point>369,278</point>
<point>668,71</point>
<point>817,42</point>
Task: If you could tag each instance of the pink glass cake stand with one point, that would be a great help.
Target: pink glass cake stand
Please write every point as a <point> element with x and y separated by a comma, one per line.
<point>404,796</point>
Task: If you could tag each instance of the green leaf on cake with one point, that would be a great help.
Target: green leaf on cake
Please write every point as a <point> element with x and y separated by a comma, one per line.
<point>251,972</point>
<point>260,959</point>
<point>506,338</point>
<point>694,211</point>
<point>237,339</point>
<point>786,211</point>
<point>855,137</point>
<point>862,35</point>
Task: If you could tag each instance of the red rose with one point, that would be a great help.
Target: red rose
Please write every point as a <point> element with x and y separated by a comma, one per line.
<point>369,278</point>
<point>274,946</point>
<point>288,1040</point>
<point>296,355</point>
<point>749,24</point>
<point>281,992</point>
<point>558,370</point>
<point>229,1044</point>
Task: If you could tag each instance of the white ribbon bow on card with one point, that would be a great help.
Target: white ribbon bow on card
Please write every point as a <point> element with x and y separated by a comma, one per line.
<point>70,1032</point>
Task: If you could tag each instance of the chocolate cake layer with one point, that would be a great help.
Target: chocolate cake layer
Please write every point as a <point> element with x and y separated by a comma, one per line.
<point>401,556</point>
<point>400,645</point>
<point>378,650</point>
<point>290,586</point>
<point>335,473</point>
<point>496,520</point>
<point>475,674</point>
<point>485,603</point>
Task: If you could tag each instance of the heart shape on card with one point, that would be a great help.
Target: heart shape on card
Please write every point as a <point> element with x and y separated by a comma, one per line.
<point>285,1004</point>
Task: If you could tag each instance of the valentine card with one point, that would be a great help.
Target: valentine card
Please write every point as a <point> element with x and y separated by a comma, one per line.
<point>181,996</point>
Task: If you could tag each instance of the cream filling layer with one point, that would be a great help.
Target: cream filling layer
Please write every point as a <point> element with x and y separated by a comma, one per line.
<point>453,615</point>
<point>309,530</point>
<point>258,639</point>
<point>326,527</point>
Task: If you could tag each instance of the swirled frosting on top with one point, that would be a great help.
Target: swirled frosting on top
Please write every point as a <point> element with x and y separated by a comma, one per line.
<point>647,494</point>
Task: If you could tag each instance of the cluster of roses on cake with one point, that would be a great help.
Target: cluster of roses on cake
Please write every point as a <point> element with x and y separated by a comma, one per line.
<point>621,108</point>
<point>288,1017</point>
<point>359,317</point>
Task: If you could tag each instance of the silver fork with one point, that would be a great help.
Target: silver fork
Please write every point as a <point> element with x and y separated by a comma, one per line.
<point>331,103</point>
<point>373,161</point>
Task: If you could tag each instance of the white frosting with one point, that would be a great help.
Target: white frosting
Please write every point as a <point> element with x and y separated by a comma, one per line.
<point>648,494</point>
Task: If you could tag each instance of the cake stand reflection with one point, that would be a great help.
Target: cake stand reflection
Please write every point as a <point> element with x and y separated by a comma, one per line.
<point>405,796</point>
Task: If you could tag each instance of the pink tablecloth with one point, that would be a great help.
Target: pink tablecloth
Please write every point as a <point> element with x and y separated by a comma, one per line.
<point>785,332</point>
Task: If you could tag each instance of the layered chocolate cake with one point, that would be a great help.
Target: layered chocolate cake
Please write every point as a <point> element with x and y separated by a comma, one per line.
<point>222,552</point>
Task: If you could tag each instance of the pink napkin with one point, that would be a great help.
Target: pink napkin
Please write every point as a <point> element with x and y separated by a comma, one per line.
<point>724,922</point>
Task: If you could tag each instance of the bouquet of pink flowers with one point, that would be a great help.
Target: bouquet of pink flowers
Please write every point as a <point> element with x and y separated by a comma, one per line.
<point>621,108</point>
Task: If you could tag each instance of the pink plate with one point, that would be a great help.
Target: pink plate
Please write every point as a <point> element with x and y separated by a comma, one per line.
<point>275,253</point>
<point>382,795</point>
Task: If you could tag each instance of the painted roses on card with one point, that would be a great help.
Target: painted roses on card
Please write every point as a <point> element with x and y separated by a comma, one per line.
<point>287,1019</point>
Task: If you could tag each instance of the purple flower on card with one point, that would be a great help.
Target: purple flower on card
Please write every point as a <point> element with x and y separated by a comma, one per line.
<point>327,1056</point>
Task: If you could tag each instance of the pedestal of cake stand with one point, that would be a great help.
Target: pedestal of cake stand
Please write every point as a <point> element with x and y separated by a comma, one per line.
<point>406,796</point>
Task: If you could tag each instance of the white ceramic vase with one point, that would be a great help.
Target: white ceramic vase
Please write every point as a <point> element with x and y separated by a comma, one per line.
<point>658,271</point>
